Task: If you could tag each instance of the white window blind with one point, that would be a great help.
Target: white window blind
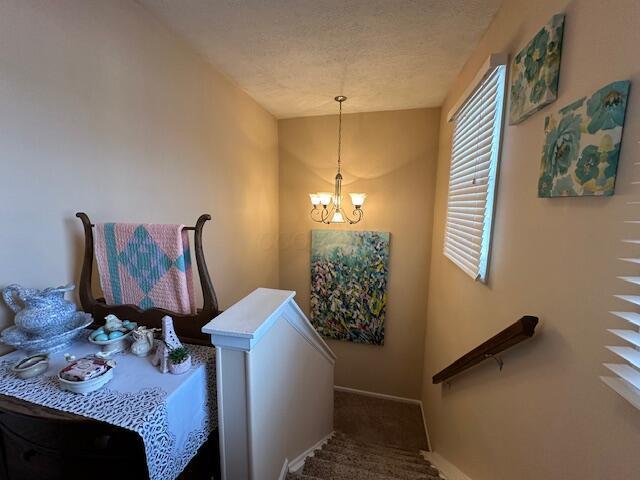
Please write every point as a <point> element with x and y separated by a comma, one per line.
<point>626,371</point>
<point>472,177</point>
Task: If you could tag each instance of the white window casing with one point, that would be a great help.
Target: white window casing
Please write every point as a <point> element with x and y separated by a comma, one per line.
<point>475,155</point>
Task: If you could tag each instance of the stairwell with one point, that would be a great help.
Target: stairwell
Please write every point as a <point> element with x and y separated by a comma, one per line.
<point>346,458</point>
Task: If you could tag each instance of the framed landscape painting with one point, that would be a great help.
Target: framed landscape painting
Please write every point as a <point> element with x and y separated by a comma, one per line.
<point>349,273</point>
<point>582,145</point>
<point>535,72</point>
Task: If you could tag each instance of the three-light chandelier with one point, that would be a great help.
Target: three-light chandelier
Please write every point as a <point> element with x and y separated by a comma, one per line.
<point>327,206</point>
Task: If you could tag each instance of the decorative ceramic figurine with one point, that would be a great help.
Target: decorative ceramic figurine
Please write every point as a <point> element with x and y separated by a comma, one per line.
<point>161,357</point>
<point>112,323</point>
<point>142,341</point>
<point>44,322</point>
<point>168,341</point>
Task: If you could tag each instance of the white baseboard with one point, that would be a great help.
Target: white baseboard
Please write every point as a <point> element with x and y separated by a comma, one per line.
<point>426,430</point>
<point>298,462</point>
<point>447,469</point>
<point>284,470</point>
<point>377,395</point>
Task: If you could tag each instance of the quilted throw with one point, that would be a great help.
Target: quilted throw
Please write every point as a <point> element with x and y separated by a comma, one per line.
<point>148,265</point>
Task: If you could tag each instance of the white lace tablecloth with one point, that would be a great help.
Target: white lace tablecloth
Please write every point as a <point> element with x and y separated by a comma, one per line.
<point>173,414</point>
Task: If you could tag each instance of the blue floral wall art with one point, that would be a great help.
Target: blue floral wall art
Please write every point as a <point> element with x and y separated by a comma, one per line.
<point>349,273</point>
<point>535,72</point>
<point>582,145</point>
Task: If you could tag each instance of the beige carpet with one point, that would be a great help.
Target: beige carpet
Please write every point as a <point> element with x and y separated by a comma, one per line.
<point>346,458</point>
<point>383,422</point>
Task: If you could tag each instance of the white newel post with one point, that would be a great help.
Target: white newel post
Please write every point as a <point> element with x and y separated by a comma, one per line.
<point>274,382</point>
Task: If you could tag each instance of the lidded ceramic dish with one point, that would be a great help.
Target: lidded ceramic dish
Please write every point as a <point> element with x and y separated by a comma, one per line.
<point>86,375</point>
<point>31,366</point>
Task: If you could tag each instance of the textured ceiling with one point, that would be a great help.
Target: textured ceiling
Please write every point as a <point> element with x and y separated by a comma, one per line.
<point>294,56</point>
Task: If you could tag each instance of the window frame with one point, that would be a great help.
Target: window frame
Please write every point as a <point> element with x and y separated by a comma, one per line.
<point>494,62</point>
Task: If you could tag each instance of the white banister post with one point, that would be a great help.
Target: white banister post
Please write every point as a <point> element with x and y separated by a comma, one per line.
<point>231,380</point>
<point>246,403</point>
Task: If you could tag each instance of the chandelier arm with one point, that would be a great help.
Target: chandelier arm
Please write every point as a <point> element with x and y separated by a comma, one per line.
<point>316,214</point>
<point>357,214</point>
<point>326,214</point>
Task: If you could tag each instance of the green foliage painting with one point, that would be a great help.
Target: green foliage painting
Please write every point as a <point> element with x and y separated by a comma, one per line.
<point>582,145</point>
<point>349,284</point>
<point>535,72</point>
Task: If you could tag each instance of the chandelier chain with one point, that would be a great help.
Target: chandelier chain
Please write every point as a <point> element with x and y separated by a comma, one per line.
<point>339,137</point>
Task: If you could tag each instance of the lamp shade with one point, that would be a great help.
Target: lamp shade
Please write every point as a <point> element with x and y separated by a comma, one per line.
<point>325,198</point>
<point>337,217</point>
<point>358,199</point>
<point>315,199</point>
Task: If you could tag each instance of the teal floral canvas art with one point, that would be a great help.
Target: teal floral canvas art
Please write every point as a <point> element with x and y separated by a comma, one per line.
<point>535,72</point>
<point>349,284</point>
<point>582,145</point>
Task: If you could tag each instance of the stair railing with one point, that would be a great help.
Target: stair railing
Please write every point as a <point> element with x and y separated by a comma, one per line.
<point>510,336</point>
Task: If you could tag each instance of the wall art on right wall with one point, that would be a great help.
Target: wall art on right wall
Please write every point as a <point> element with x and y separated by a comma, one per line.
<point>582,145</point>
<point>535,72</point>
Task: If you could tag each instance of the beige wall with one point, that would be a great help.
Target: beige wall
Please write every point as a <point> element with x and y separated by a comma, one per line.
<point>546,415</point>
<point>390,156</point>
<point>106,111</point>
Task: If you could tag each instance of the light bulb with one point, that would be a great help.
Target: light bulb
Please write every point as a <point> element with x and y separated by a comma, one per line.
<point>315,199</point>
<point>337,217</point>
<point>358,199</point>
<point>325,198</point>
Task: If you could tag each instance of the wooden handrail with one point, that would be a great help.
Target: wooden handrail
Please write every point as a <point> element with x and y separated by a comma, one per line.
<point>512,335</point>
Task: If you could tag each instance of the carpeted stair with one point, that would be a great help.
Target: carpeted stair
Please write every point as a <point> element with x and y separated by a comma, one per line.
<point>345,458</point>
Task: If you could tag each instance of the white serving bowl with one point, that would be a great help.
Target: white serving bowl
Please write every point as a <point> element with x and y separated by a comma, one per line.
<point>87,386</point>
<point>114,345</point>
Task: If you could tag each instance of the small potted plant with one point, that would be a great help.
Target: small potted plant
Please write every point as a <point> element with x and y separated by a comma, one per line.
<point>179,360</point>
